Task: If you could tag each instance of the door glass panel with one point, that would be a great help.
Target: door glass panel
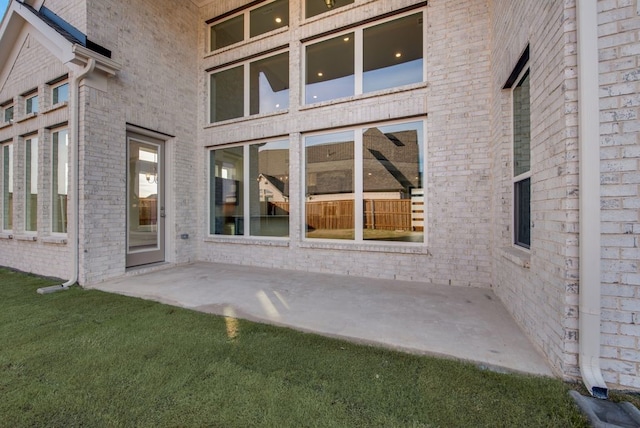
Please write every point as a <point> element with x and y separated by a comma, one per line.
<point>144,212</point>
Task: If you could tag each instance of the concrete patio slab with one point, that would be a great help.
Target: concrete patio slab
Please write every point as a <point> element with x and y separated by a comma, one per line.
<point>464,323</point>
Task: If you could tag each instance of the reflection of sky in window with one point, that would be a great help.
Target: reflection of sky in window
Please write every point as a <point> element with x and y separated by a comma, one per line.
<point>329,89</point>
<point>270,100</point>
<point>63,165</point>
<point>337,137</point>
<point>8,165</point>
<point>411,126</point>
<point>34,166</point>
<point>146,189</point>
<point>393,76</point>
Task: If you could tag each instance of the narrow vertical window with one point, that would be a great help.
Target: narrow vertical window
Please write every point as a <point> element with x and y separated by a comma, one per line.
<point>31,185</point>
<point>269,188</point>
<point>330,186</point>
<point>226,191</point>
<point>60,94</point>
<point>60,181</point>
<point>31,105</point>
<point>522,161</point>
<point>7,187</point>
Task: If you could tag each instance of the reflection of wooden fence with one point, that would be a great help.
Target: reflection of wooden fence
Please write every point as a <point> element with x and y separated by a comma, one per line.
<point>148,211</point>
<point>330,215</point>
<point>387,214</point>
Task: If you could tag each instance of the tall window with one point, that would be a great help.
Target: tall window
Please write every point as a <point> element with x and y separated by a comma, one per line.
<point>249,23</point>
<point>60,181</point>
<point>7,113</point>
<point>318,7</point>
<point>60,93</point>
<point>366,184</point>
<point>249,190</point>
<point>371,58</point>
<point>7,186</point>
<point>522,161</point>
<point>31,185</point>
<point>260,86</point>
<point>31,104</point>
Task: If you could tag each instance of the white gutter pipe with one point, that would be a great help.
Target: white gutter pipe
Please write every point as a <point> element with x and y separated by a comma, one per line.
<point>589,158</point>
<point>75,161</point>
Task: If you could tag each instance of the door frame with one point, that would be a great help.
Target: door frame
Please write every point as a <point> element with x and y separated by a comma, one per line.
<point>157,255</point>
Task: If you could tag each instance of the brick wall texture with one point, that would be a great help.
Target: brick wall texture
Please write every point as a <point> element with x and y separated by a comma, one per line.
<point>471,48</point>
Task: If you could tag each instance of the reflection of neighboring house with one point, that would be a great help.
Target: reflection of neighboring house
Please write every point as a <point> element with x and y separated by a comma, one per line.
<point>272,189</point>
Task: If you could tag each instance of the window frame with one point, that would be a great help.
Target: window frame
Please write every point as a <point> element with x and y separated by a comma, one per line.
<point>57,86</point>
<point>246,84</point>
<point>9,106</point>
<point>54,181</point>
<point>524,176</point>
<point>29,144</point>
<point>246,192</point>
<point>322,14</point>
<point>358,34</point>
<point>29,97</point>
<point>358,184</point>
<point>245,11</point>
<point>7,216</point>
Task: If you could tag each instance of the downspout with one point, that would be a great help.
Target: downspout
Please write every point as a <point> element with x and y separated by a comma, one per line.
<point>75,161</point>
<point>589,158</point>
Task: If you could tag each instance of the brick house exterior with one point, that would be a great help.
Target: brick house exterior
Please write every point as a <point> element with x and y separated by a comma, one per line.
<point>146,72</point>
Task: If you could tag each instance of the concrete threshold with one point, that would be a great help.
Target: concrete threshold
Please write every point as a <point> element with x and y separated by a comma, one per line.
<point>457,322</point>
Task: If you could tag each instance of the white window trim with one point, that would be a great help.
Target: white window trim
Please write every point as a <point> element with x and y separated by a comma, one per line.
<point>359,187</point>
<point>246,26</point>
<point>516,178</point>
<point>358,55</point>
<point>246,96</point>
<point>246,197</point>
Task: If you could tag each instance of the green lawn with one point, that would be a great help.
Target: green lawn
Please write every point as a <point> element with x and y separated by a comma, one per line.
<point>87,358</point>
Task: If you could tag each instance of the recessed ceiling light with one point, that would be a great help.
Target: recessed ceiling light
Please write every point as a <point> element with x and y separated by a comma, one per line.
<point>278,20</point>
<point>346,39</point>
<point>398,54</point>
<point>320,74</point>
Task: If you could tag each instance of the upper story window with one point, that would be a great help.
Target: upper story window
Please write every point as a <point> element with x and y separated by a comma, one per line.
<point>252,87</point>
<point>318,7</point>
<point>60,93</point>
<point>248,23</point>
<point>370,58</point>
<point>31,103</point>
<point>7,113</point>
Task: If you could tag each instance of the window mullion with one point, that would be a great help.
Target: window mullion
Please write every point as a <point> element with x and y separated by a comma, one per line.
<point>358,186</point>
<point>358,58</point>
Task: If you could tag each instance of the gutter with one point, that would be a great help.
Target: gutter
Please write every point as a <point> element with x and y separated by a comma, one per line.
<point>589,182</point>
<point>75,160</point>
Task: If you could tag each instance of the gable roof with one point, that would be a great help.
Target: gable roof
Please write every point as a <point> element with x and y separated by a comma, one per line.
<point>57,36</point>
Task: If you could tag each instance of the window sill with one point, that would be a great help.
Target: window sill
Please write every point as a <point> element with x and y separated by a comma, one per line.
<point>56,107</point>
<point>254,240</point>
<point>30,238</point>
<point>27,117</point>
<point>400,248</point>
<point>55,240</point>
<point>5,125</point>
<point>518,256</point>
<point>246,118</point>
<point>6,235</point>
<point>359,97</point>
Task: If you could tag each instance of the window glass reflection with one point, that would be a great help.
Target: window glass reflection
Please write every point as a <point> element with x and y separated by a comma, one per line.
<point>329,185</point>
<point>317,7</point>
<point>392,174</point>
<point>330,69</point>
<point>269,84</point>
<point>7,187</point>
<point>60,185</point>
<point>269,17</point>
<point>269,188</point>
<point>226,191</point>
<point>227,32</point>
<point>31,185</point>
<point>227,99</point>
<point>393,53</point>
